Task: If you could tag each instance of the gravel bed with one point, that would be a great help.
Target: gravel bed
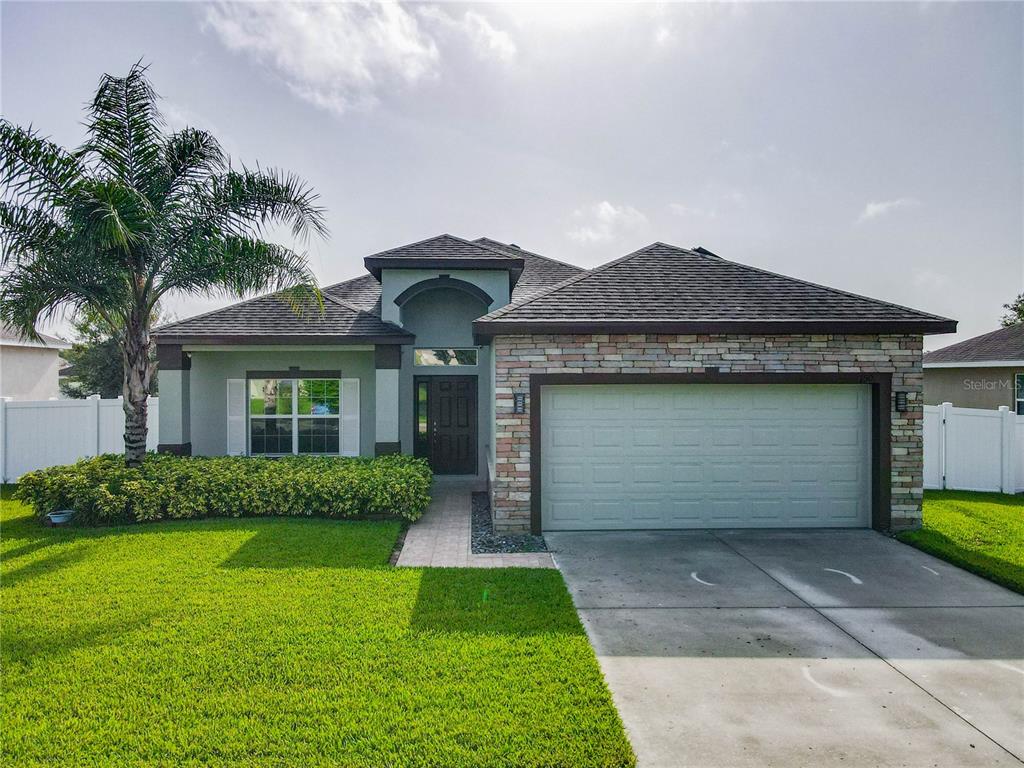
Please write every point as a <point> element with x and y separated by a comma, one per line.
<point>487,542</point>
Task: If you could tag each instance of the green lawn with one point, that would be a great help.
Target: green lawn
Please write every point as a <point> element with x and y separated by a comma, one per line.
<point>982,532</point>
<point>285,642</point>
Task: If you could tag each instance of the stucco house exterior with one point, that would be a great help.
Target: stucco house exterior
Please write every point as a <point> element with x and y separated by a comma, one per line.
<point>670,388</point>
<point>986,371</point>
<point>29,368</point>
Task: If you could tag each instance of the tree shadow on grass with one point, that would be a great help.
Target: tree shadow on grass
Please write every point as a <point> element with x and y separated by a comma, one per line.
<point>509,601</point>
<point>44,566</point>
<point>305,544</point>
<point>25,644</point>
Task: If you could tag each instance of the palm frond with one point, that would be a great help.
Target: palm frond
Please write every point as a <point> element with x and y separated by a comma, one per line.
<point>242,266</point>
<point>125,129</point>
<point>34,169</point>
<point>27,232</point>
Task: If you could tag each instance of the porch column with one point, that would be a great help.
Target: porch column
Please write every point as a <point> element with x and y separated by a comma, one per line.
<point>175,423</point>
<point>387,361</point>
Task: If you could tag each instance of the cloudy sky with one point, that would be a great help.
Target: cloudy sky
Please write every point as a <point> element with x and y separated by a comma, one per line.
<point>874,147</point>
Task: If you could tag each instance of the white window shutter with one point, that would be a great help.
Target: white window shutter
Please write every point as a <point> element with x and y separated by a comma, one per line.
<point>236,417</point>
<point>350,417</point>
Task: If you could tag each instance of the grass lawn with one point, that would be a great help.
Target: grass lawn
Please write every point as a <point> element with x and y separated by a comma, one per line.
<point>982,532</point>
<point>285,642</point>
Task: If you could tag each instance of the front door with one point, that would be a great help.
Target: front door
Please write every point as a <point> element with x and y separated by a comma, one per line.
<point>446,425</point>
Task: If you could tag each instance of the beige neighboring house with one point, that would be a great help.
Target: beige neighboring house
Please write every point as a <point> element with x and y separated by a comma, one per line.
<point>984,372</point>
<point>29,369</point>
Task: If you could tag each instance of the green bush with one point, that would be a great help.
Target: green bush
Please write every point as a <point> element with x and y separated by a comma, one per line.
<point>103,490</point>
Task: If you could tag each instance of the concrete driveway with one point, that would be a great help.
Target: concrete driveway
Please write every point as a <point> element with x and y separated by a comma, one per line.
<point>735,648</point>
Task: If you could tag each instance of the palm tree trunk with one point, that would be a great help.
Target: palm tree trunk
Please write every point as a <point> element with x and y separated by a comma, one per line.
<point>136,390</point>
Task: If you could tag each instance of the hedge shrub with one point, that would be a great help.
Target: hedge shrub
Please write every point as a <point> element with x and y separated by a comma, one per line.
<point>103,490</point>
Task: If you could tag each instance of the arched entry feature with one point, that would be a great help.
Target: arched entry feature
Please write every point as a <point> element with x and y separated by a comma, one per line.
<point>444,281</point>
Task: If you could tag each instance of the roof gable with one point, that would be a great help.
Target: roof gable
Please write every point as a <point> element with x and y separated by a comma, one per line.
<point>1004,344</point>
<point>672,289</point>
<point>444,252</point>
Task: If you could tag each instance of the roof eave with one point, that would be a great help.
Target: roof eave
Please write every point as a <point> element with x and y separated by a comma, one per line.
<point>994,363</point>
<point>497,327</point>
<point>374,264</point>
<point>244,339</point>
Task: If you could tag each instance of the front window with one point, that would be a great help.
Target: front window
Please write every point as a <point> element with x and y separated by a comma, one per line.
<point>294,416</point>
<point>1019,393</point>
<point>445,357</point>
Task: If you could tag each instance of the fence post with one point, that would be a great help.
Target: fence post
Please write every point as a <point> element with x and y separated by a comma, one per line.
<point>94,405</point>
<point>1007,449</point>
<point>945,411</point>
<point>3,439</point>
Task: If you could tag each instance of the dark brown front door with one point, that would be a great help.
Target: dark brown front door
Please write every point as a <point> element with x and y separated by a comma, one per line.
<point>446,425</point>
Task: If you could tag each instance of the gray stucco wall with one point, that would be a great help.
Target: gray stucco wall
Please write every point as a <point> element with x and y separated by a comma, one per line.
<point>970,387</point>
<point>211,370</point>
<point>29,373</point>
<point>494,282</point>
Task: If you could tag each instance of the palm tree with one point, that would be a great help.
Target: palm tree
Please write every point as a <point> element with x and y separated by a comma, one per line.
<point>133,215</point>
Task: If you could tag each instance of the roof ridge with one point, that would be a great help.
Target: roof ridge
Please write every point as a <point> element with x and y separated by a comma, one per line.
<point>242,303</point>
<point>346,282</point>
<point>748,267</point>
<point>464,241</point>
<point>502,311</point>
<point>359,311</point>
<point>535,255</point>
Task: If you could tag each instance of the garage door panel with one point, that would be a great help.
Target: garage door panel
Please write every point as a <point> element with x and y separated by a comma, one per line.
<point>694,455</point>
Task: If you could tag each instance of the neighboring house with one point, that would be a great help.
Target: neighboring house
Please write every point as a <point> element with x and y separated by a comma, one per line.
<point>984,372</point>
<point>670,388</point>
<point>29,368</point>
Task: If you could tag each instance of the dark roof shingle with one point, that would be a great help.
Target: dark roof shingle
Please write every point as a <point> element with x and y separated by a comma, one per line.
<point>1002,345</point>
<point>270,318</point>
<point>683,290</point>
<point>539,272</point>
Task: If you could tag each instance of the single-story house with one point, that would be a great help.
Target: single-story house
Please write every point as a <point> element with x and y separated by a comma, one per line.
<point>670,388</point>
<point>29,368</point>
<point>984,372</point>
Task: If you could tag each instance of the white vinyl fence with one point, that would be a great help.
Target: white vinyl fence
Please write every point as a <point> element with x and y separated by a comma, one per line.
<point>972,449</point>
<point>43,433</point>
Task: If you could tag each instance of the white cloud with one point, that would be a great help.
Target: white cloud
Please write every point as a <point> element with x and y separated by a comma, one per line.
<point>341,56</point>
<point>662,34</point>
<point>334,55</point>
<point>487,41</point>
<point>604,221</point>
<point>876,209</point>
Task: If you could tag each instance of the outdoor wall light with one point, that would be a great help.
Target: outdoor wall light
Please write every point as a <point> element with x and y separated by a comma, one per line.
<point>901,401</point>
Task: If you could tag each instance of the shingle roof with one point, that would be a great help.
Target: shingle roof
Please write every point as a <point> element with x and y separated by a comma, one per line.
<point>352,307</point>
<point>267,319</point>
<point>442,247</point>
<point>539,272</point>
<point>11,337</point>
<point>672,289</point>
<point>1003,345</point>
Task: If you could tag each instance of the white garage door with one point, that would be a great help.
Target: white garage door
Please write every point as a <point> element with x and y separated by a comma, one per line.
<point>705,456</point>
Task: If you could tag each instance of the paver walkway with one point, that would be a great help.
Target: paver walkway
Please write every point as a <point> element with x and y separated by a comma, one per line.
<point>441,538</point>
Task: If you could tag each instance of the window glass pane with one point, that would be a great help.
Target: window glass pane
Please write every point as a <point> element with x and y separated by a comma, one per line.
<point>270,397</point>
<point>319,397</point>
<point>318,436</point>
<point>445,357</point>
<point>270,436</point>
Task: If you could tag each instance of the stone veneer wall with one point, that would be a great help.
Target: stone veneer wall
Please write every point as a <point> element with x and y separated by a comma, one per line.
<point>516,357</point>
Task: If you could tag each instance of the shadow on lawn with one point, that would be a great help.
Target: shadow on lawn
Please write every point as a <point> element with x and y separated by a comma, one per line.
<point>289,543</point>
<point>510,601</point>
<point>22,645</point>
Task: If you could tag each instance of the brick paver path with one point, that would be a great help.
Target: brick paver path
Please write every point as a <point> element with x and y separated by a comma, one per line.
<point>441,538</point>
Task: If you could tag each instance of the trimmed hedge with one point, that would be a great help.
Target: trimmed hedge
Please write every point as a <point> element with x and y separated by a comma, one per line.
<point>103,490</point>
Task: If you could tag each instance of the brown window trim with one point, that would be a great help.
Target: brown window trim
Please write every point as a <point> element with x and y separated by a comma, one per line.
<point>881,421</point>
